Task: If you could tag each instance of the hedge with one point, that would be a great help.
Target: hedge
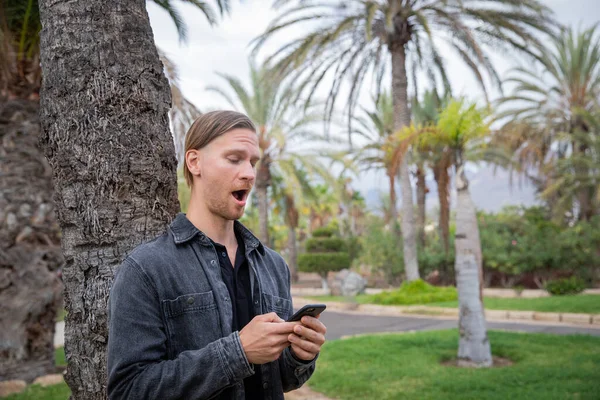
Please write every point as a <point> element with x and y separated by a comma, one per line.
<point>322,263</point>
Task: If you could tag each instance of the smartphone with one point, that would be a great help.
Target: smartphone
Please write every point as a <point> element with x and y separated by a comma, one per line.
<point>312,310</point>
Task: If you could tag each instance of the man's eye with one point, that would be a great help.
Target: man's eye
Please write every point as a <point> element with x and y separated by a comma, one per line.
<point>234,160</point>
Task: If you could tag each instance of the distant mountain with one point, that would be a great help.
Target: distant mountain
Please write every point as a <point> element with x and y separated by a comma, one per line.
<point>491,190</point>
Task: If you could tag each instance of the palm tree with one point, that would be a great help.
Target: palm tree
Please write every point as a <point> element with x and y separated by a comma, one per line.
<point>425,113</point>
<point>282,124</point>
<point>290,193</point>
<point>323,207</point>
<point>377,127</point>
<point>30,238</point>
<point>183,112</point>
<point>461,127</point>
<point>550,120</point>
<point>356,38</point>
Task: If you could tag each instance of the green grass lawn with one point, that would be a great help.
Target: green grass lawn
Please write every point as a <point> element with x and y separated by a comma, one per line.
<point>54,392</point>
<point>583,303</point>
<point>407,366</point>
<point>360,299</point>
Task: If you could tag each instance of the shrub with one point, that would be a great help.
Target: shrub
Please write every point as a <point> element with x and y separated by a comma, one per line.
<point>326,231</point>
<point>572,285</point>
<point>325,245</point>
<point>354,248</point>
<point>325,253</point>
<point>434,258</point>
<point>416,292</point>
<point>322,263</point>
<point>519,241</point>
<point>382,251</point>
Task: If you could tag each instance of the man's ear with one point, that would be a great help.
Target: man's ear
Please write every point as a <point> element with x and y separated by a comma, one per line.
<point>192,160</point>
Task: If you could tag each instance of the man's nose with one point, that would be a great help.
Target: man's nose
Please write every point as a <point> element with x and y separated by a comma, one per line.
<point>248,172</point>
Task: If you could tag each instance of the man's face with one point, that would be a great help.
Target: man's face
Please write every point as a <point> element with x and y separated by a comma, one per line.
<point>226,172</point>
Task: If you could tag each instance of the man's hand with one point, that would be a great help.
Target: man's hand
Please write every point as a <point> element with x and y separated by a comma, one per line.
<point>265,337</point>
<point>308,338</point>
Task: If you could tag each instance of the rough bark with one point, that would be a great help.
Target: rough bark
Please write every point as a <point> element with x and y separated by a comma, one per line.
<point>263,214</point>
<point>402,119</point>
<point>585,195</point>
<point>263,180</point>
<point>474,346</point>
<point>292,218</point>
<point>104,113</point>
<point>442,179</point>
<point>421,196</point>
<point>30,256</point>
<point>293,251</point>
<point>393,211</point>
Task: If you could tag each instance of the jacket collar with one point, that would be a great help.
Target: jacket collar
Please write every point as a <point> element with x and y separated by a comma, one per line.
<point>183,231</point>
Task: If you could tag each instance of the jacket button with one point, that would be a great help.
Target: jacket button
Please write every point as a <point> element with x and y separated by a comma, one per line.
<point>265,385</point>
<point>190,300</point>
<point>213,262</point>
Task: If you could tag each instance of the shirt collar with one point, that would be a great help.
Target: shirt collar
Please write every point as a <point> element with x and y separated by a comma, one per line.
<point>183,231</point>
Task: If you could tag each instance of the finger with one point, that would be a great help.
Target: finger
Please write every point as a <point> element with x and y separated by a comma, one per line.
<point>309,334</point>
<point>304,344</point>
<point>282,339</point>
<point>270,317</point>
<point>314,324</point>
<point>284,327</point>
<point>302,354</point>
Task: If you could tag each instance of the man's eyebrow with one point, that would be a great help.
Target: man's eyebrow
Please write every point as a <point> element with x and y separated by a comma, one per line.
<point>235,151</point>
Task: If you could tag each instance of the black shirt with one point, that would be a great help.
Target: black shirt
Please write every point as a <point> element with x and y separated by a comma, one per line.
<point>237,280</point>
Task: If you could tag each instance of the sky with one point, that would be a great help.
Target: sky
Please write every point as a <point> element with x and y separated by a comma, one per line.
<point>225,48</point>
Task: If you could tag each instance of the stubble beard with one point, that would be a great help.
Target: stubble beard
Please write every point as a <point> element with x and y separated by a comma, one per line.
<point>222,207</point>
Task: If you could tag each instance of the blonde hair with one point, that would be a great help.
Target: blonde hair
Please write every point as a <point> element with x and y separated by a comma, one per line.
<point>210,126</point>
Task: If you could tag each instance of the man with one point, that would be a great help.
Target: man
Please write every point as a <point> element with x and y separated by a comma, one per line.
<point>199,312</point>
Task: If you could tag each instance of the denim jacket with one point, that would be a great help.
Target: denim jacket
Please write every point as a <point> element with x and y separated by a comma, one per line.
<point>170,316</point>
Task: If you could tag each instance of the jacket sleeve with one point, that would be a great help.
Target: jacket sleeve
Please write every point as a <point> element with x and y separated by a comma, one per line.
<point>294,372</point>
<point>138,367</point>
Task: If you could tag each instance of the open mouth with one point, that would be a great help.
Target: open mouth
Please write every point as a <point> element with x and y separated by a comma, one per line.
<point>240,195</point>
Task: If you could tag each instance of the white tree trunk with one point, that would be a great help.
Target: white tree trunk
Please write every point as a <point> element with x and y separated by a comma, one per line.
<point>402,119</point>
<point>474,347</point>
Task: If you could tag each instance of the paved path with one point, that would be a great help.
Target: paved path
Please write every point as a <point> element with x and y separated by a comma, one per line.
<point>344,324</point>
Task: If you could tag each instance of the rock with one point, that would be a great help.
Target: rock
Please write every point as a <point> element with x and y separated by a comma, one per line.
<point>11,387</point>
<point>433,278</point>
<point>348,283</point>
<point>48,380</point>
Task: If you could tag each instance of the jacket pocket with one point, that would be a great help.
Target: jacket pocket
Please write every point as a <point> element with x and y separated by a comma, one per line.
<point>192,321</point>
<point>279,305</point>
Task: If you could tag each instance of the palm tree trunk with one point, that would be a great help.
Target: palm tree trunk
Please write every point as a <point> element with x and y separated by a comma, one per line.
<point>104,113</point>
<point>263,214</point>
<point>292,216</point>
<point>442,179</point>
<point>586,194</point>
<point>263,180</point>
<point>293,251</point>
<point>474,346</point>
<point>30,255</point>
<point>402,119</point>
<point>393,211</point>
<point>421,194</point>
